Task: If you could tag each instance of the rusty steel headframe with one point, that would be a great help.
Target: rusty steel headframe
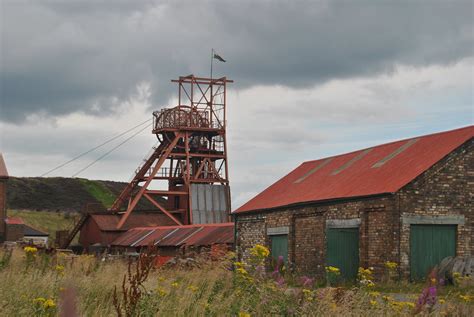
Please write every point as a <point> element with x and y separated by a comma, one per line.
<point>192,150</point>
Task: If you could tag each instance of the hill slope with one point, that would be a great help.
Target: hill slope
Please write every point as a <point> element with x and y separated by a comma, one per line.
<point>62,194</point>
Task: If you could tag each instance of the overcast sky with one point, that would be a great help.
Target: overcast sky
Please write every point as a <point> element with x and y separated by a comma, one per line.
<point>312,78</point>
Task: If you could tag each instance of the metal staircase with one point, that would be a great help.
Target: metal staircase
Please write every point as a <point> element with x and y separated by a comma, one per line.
<point>74,231</point>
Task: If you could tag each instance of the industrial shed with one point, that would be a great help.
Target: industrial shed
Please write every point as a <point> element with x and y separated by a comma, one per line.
<point>174,240</point>
<point>408,202</point>
<point>101,229</point>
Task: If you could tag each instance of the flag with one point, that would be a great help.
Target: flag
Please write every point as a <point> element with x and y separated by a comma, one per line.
<point>216,56</point>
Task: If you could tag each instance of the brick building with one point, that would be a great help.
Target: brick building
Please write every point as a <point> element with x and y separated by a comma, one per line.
<point>3,197</point>
<point>409,202</point>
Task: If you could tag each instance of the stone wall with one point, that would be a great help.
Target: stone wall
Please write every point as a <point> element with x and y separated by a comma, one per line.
<point>444,194</point>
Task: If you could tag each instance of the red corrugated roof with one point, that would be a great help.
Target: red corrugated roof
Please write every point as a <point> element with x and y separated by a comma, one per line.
<point>381,169</point>
<point>131,236</point>
<point>190,235</point>
<point>108,222</point>
<point>14,221</point>
<point>3,168</point>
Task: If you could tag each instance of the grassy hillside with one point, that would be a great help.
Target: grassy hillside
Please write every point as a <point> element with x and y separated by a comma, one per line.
<point>99,191</point>
<point>61,194</point>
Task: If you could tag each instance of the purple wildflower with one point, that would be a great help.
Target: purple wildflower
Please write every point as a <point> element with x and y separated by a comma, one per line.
<point>280,282</point>
<point>307,282</point>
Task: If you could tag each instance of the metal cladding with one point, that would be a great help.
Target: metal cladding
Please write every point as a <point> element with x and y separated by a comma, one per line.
<point>381,169</point>
<point>177,236</point>
<point>3,168</point>
<point>209,203</point>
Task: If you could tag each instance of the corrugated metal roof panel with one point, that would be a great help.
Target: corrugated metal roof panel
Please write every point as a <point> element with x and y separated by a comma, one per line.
<point>190,235</point>
<point>397,164</point>
<point>156,236</point>
<point>178,237</point>
<point>3,168</point>
<point>212,235</point>
<point>30,231</point>
<point>131,237</point>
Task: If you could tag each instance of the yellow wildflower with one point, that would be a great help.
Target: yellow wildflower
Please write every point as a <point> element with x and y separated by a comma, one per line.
<point>374,294</point>
<point>31,250</point>
<point>387,298</point>
<point>161,292</point>
<point>59,269</point>
<point>308,294</point>
<point>333,269</point>
<point>241,270</point>
<point>408,304</point>
<point>193,288</point>
<point>373,303</point>
<point>442,301</point>
<point>260,251</point>
<point>391,265</point>
<point>244,314</point>
<point>466,298</point>
<point>49,303</point>
<point>175,284</point>
<point>39,300</point>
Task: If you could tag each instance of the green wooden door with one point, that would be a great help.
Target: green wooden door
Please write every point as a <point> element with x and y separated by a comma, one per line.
<point>343,251</point>
<point>429,244</point>
<point>279,246</point>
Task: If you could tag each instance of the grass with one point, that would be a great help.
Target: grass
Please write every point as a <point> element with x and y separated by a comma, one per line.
<point>99,191</point>
<point>46,221</point>
<point>207,288</point>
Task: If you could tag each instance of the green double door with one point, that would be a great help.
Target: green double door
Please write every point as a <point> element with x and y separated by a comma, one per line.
<point>342,251</point>
<point>429,244</point>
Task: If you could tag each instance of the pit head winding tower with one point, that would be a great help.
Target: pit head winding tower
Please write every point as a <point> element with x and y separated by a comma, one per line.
<point>189,166</point>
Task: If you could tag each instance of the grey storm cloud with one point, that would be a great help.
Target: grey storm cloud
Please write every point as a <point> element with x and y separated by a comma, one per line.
<point>64,57</point>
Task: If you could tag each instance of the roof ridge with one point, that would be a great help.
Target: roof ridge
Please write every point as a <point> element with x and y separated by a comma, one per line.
<point>391,142</point>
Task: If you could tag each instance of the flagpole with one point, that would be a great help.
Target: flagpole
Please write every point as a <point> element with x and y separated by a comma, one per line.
<point>212,58</point>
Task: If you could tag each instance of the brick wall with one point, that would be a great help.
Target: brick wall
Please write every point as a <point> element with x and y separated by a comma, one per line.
<point>307,243</point>
<point>446,189</point>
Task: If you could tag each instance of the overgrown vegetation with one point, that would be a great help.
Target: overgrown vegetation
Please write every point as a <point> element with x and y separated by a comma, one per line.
<point>36,284</point>
<point>48,222</point>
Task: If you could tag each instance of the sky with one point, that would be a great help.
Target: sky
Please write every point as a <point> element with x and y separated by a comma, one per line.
<point>312,78</point>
